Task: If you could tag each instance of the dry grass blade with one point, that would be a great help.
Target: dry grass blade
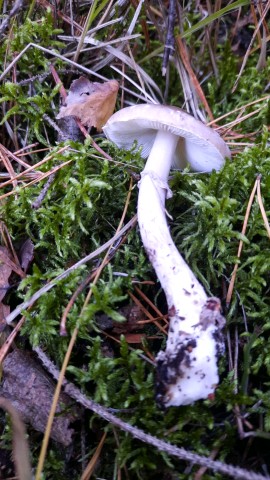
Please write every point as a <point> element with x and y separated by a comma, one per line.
<point>256,188</point>
<point>54,405</point>
<point>260,202</point>
<point>85,29</point>
<point>33,168</point>
<point>228,126</point>
<point>98,45</point>
<point>6,346</point>
<point>20,446</point>
<point>36,180</point>
<point>232,282</point>
<point>243,108</point>
<point>4,158</point>
<point>128,61</point>
<point>53,54</point>
<point>250,45</point>
<point>92,464</point>
<point>146,97</point>
<point>147,313</point>
<point>184,56</point>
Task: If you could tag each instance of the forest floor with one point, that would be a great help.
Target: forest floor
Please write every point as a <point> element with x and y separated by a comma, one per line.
<point>82,312</point>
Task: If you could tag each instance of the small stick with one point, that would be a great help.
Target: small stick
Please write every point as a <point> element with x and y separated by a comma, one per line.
<point>199,474</point>
<point>15,9</point>
<point>37,203</point>
<point>161,445</point>
<point>169,43</point>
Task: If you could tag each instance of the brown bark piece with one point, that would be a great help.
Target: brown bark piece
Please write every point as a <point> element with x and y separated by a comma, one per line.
<point>92,102</point>
<point>31,391</point>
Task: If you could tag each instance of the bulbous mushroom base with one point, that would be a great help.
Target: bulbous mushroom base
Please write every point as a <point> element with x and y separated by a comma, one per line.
<point>187,371</point>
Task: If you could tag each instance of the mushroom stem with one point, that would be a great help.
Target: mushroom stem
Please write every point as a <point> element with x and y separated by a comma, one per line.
<point>161,154</point>
<point>185,296</point>
<point>187,370</point>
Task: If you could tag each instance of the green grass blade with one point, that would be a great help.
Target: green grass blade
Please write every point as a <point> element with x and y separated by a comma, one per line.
<point>214,16</point>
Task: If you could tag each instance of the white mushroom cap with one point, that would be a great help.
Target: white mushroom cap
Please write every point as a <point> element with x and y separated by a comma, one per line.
<point>198,145</point>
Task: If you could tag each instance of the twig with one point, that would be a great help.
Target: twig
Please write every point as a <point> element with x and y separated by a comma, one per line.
<point>37,203</point>
<point>161,445</point>
<point>15,9</point>
<point>169,43</point>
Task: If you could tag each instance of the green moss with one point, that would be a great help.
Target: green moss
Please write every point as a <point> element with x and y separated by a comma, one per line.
<point>82,210</point>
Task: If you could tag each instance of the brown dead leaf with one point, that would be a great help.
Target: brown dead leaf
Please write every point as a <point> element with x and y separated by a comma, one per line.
<point>26,254</point>
<point>92,102</point>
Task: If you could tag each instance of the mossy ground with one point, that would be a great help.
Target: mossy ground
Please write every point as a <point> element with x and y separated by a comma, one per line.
<point>82,210</point>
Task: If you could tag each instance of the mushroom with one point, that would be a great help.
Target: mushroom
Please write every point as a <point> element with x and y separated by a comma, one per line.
<point>187,370</point>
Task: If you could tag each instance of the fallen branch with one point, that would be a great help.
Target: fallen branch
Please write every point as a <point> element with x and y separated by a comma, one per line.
<point>161,445</point>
